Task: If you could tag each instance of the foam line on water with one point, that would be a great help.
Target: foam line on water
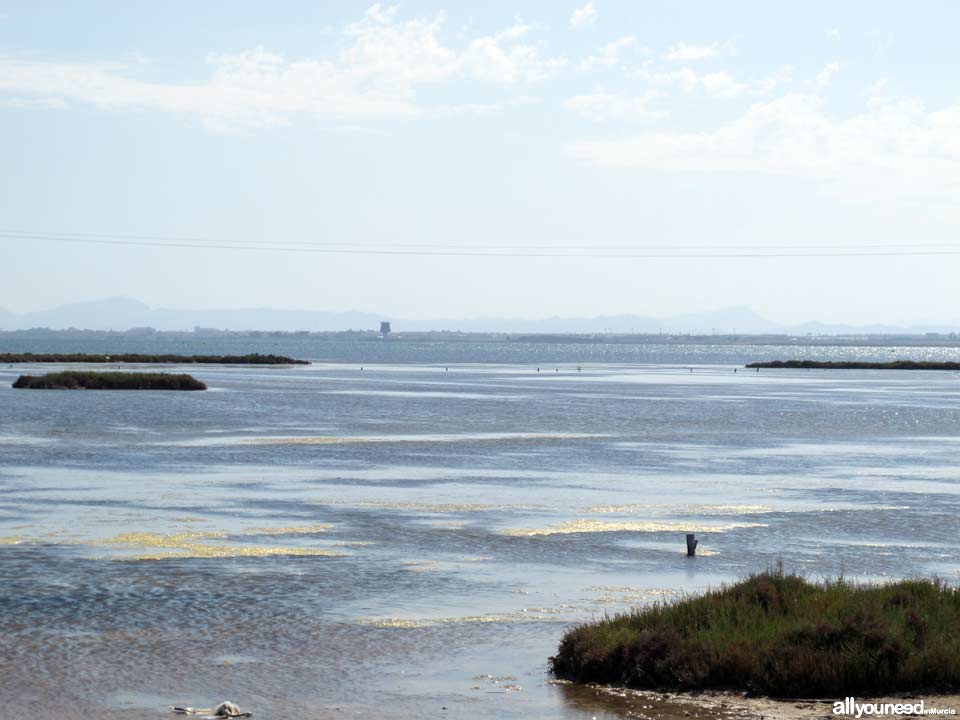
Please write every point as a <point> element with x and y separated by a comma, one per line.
<point>570,527</point>
<point>437,438</point>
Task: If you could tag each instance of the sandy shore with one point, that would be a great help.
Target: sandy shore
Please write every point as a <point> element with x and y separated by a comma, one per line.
<point>717,705</point>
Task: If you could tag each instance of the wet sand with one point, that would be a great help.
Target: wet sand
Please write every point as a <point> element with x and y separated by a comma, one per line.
<point>711,705</point>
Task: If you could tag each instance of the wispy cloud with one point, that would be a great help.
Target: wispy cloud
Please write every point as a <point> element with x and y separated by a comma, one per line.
<point>715,84</point>
<point>895,148</point>
<point>601,105</point>
<point>502,59</point>
<point>684,52</point>
<point>611,54</point>
<point>50,103</point>
<point>876,88</point>
<point>384,62</point>
<point>779,78</point>
<point>825,76</point>
<point>586,15</point>
<point>882,41</point>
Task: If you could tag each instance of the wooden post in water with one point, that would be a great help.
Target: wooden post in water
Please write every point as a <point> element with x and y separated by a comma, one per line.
<point>692,543</point>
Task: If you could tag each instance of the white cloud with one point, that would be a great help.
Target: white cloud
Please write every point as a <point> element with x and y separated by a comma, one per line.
<point>581,17</point>
<point>601,105</point>
<point>876,88</point>
<point>825,76</point>
<point>765,86</point>
<point>716,84</point>
<point>50,103</point>
<point>400,52</point>
<point>883,41</point>
<point>250,89</point>
<point>833,33</point>
<point>378,73</point>
<point>609,55</point>
<point>467,109</point>
<point>894,148</point>
<point>720,84</point>
<point>501,59</point>
<point>683,52</point>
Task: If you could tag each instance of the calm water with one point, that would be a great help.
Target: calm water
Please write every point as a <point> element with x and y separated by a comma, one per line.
<point>326,541</point>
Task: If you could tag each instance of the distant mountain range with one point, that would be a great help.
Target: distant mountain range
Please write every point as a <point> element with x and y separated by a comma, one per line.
<point>122,313</point>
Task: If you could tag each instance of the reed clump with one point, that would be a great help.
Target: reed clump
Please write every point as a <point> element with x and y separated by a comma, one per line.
<point>76,380</point>
<point>779,635</point>
<point>857,365</point>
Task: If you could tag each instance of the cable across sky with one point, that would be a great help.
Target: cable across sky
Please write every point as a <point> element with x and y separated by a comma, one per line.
<point>647,252</point>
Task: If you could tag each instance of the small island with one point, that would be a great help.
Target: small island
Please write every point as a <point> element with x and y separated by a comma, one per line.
<point>72,380</point>
<point>250,359</point>
<point>856,365</point>
<point>781,636</point>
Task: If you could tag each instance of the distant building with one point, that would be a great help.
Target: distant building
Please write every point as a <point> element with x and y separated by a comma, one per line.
<point>384,328</point>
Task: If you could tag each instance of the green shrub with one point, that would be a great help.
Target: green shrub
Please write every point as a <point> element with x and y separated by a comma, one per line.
<point>779,635</point>
<point>857,365</point>
<point>73,380</point>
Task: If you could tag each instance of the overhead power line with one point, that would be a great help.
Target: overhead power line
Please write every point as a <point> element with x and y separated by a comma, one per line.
<point>513,251</point>
<point>484,246</point>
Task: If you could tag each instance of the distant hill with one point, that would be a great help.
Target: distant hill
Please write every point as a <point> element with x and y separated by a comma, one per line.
<point>730,320</point>
<point>122,313</point>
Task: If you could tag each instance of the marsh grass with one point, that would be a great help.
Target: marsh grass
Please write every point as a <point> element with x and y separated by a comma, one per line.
<point>79,380</point>
<point>857,365</point>
<point>779,635</point>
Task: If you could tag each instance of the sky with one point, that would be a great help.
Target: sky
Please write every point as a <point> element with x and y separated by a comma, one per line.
<point>530,159</point>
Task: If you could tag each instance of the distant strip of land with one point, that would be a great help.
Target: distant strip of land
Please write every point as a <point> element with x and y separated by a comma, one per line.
<point>782,636</point>
<point>252,359</point>
<point>108,381</point>
<point>902,340</point>
<point>853,365</point>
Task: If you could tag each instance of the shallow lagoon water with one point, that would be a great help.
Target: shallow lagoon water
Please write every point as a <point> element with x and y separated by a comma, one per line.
<point>323,541</point>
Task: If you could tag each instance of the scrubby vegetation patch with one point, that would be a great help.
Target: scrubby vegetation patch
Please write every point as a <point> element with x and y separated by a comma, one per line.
<point>779,635</point>
<point>856,365</point>
<point>73,380</point>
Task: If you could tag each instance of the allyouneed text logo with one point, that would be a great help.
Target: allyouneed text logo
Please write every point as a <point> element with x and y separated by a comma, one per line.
<point>850,706</point>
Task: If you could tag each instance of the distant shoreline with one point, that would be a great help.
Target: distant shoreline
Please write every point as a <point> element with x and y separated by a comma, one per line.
<point>10,338</point>
<point>252,359</point>
<point>855,365</point>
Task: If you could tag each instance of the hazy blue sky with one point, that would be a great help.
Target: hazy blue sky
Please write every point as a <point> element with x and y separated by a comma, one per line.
<point>791,128</point>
